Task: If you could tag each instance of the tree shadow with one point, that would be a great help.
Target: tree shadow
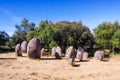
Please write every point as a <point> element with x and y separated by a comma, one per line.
<point>8,58</point>
<point>83,61</point>
<point>105,60</point>
<point>76,65</point>
<point>50,59</point>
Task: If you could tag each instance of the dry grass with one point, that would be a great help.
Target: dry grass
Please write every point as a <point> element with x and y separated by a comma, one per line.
<point>22,68</point>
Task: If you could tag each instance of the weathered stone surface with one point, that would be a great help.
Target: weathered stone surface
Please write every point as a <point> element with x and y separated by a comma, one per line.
<point>80,53</point>
<point>34,48</point>
<point>53,51</point>
<point>68,52</point>
<point>85,55</point>
<point>58,50</point>
<point>58,53</point>
<point>24,47</point>
<point>18,50</point>
<point>99,55</point>
<point>70,55</point>
<point>42,51</point>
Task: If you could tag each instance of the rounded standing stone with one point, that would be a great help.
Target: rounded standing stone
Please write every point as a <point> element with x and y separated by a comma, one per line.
<point>68,52</point>
<point>34,48</point>
<point>53,51</point>
<point>58,50</point>
<point>80,54</point>
<point>99,55</point>
<point>70,55</point>
<point>24,47</point>
<point>58,53</point>
<point>42,51</point>
<point>85,55</point>
<point>18,50</point>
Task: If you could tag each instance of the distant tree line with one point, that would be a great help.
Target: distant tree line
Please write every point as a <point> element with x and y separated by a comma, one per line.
<point>106,35</point>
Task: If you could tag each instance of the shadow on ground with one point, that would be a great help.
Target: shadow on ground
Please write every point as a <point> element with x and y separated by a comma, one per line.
<point>8,58</point>
<point>76,65</point>
<point>83,61</point>
<point>49,59</point>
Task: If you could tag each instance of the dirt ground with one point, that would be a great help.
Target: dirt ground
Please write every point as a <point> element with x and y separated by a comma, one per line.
<point>48,68</point>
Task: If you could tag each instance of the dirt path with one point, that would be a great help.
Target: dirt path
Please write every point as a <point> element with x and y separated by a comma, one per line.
<point>22,68</point>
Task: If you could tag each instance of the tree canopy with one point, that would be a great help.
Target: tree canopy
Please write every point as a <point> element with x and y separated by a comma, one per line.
<point>105,34</point>
<point>22,30</point>
<point>63,34</point>
<point>4,37</point>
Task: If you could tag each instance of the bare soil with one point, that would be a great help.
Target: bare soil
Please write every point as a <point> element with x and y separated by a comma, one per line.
<point>48,68</point>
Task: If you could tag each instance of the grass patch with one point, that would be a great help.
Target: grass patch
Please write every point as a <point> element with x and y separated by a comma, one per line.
<point>108,55</point>
<point>62,55</point>
<point>116,54</point>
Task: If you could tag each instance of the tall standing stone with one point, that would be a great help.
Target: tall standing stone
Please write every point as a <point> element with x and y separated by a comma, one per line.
<point>34,48</point>
<point>85,55</point>
<point>24,47</point>
<point>58,50</point>
<point>42,51</point>
<point>70,55</point>
<point>67,55</point>
<point>58,53</point>
<point>53,51</point>
<point>18,50</point>
<point>80,54</point>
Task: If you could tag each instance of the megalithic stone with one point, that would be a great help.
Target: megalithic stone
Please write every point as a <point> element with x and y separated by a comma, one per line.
<point>80,54</point>
<point>53,51</point>
<point>34,48</point>
<point>99,55</point>
<point>18,50</point>
<point>24,47</point>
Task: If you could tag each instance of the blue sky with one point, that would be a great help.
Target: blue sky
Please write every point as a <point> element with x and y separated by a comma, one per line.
<point>90,12</point>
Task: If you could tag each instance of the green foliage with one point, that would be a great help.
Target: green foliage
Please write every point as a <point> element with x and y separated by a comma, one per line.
<point>22,30</point>
<point>104,33</point>
<point>62,33</point>
<point>62,55</point>
<point>4,37</point>
<point>116,39</point>
<point>52,44</point>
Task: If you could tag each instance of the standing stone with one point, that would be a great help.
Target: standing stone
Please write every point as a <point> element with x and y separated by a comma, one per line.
<point>99,55</point>
<point>67,55</point>
<point>80,53</point>
<point>24,47</point>
<point>85,55</point>
<point>42,51</point>
<point>58,53</point>
<point>53,51</point>
<point>70,55</point>
<point>34,48</point>
<point>58,50</point>
<point>18,50</point>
